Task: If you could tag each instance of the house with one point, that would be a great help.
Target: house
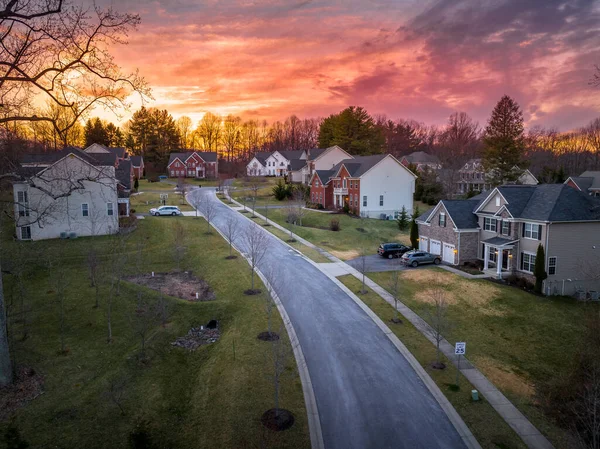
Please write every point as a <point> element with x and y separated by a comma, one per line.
<point>422,160</point>
<point>504,227</point>
<point>473,178</point>
<point>588,181</point>
<point>321,159</point>
<point>137,165</point>
<point>371,186</point>
<point>97,149</point>
<point>274,163</point>
<point>67,193</point>
<point>193,164</point>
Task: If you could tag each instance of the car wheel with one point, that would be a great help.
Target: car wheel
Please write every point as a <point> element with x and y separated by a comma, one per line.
<point>437,261</point>
<point>390,256</point>
<point>156,214</point>
<point>415,264</point>
<point>174,213</point>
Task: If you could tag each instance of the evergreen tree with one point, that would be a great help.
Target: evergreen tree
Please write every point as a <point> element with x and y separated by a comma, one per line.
<point>403,219</point>
<point>416,213</point>
<point>504,143</point>
<point>114,136</point>
<point>354,130</point>
<point>136,184</point>
<point>95,132</point>
<point>414,234</point>
<point>539,270</point>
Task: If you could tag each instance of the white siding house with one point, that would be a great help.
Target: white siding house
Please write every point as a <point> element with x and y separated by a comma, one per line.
<point>69,197</point>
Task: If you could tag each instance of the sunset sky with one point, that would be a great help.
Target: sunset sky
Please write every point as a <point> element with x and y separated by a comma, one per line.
<point>404,58</point>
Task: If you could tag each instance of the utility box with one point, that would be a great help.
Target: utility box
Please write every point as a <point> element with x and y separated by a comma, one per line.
<point>475,395</point>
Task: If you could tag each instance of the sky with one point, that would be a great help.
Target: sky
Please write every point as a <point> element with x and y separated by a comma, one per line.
<point>411,59</point>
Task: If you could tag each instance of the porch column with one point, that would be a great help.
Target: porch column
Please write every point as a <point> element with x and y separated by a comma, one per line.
<point>486,257</point>
<point>127,207</point>
<point>499,263</point>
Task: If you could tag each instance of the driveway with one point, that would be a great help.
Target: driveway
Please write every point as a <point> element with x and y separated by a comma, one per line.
<point>368,396</point>
<point>376,263</point>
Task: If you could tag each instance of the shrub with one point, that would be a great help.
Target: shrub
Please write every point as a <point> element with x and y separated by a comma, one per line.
<point>136,184</point>
<point>320,206</point>
<point>346,208</point>
<point>403,219</point>
<point>282,191</point>
<point>431,201</point>
<point>334,224</point>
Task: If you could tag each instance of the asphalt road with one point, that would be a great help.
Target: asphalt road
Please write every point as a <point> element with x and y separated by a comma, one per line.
<point>367,394</point>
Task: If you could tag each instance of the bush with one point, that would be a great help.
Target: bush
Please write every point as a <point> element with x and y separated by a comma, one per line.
<point>282,191</point>
<point>346,208</point>
<point>431,201</point>
<point>320,206</point>
<point>334,224</point>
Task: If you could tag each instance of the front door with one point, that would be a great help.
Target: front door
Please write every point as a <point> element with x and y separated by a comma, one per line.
<point>505,260</point>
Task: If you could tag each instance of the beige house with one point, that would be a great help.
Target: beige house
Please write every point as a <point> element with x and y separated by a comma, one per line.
<point>65,194</point>
<point>504,227</point>
<point>473,178</point>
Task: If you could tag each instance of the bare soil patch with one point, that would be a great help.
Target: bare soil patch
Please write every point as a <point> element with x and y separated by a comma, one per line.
<point>277,419</point>
<point>28,386</point>
<point>197,336</point>
<point>503,376</point>
<point>268,336</point>
<point>181,284</point>
<point>345,255</point>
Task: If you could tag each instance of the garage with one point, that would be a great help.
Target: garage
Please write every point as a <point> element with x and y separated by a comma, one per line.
<point>435,247</point>
<point>448,253</point>
<point>423,243</point>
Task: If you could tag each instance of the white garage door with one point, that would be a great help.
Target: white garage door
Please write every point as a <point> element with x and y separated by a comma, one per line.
<point>448,253</point>
<point>435,247</point>
<point>423,243</point>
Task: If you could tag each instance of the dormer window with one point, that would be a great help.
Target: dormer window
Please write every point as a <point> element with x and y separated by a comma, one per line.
<point>497,201</point>
<point>442,220</point>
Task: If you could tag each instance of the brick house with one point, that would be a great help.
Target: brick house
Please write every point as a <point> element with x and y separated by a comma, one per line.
<point>137,166</point>
<point>371,186</point>
<point>588,181</point>
<point>504,227</point>
<point>193,164</point>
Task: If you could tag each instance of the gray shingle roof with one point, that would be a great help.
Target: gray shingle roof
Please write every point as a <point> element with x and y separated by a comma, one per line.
<point>360,164</point>
<point>123,173</point>
<point>262,156</point>
<point>291,155</point>
<point>108,159</point>
<point>316,152</point>
<point>584,183</point>
<point>499,241</point>
<point>591,177</point>
<point>324,175</point>
<point>461,212</point>
<point>137,161</point>
<point>297,164</point>
<point>422,157</point>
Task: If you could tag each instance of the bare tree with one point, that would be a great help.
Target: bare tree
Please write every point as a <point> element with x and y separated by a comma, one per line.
<point>59,281</point>
<point>179,243</point>
<point>439,321</point>
<point>394,289</point>
<point>291,217</point>
<point>255,245</point>
<point>363,266</point>
<point>145,318</point>
<point>93,263</point>
<point>184,126</point>
<point>254,188</point>
<point>299,204</point>
<point>59,52</point>
<point>209,210</point>
<point>209,131</point>
<point>231,232</point>
<point>6,366</point>
<point>116,391</point>
<point>118,263</point>
<point>163,309</point>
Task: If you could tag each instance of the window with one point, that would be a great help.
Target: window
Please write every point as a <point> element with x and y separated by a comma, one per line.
<point>381,200</point>
<point>527,262</point>
<point>320,198</point>
<point>23,203</point>
<point>497,201</point>
<point>85,210</point>
<point>552,265</point>
<point>109,209</point>
<point>351,186</point>
<point>442,220</point>
<point>356,199</point>
<point>317,183</point>
<point>351,201</point>
<point>532,231</point>
<point>26,233</point>
<point>344,183</point>
<point>505,227</point>
<point>365,201</point>
<point>489,224</point>
<point>493,256</point>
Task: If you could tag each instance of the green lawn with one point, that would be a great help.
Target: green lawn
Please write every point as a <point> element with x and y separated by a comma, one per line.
<point>211,398</point>
<point>242,188</point>
<point>356,234</point>
<point>144,184</point>
<point>488,427</point>
<point>516,339</point>
<point>143,202</point>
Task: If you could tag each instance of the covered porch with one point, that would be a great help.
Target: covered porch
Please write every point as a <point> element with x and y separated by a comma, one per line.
<point>498,255</point>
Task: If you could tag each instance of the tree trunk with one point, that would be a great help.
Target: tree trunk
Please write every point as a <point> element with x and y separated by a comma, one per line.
<point>109,317</point>
<point>6,370</point>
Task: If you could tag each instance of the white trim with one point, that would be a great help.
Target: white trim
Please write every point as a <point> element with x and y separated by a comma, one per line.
<point>484,203</point>
<point>524,230</point>
<point>436,241</point>
<point>502,208</point>
<point>460,231</point>
<point>521,262</point>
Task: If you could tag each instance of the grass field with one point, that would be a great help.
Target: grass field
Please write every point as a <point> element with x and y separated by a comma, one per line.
<point>488,427</point>
<point>145,201</point>
<point>211,398</point>
<point>242,188</point>
<point>355,233</point>
<point>516,339</point>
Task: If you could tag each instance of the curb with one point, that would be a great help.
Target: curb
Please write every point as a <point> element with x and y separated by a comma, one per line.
<point>310,402</point>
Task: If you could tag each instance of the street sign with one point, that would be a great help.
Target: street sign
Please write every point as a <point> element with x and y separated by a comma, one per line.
<point>460,348</point>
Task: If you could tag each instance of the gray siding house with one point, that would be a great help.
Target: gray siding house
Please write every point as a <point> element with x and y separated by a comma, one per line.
<point>504,227</point>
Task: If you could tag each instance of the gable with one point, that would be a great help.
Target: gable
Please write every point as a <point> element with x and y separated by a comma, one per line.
<point>390,161</point>
<point>96,148</point>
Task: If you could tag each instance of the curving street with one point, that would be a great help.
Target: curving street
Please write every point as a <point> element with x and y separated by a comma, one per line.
<point>368,396</point>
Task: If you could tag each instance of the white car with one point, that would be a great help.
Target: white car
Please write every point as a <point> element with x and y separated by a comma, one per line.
<point>165,210</point>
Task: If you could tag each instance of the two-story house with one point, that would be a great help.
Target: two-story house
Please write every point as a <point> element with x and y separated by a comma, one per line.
<point>504,227</point>
<point>193,164</point>
<point>588,181</point>
<point>319,159</point>
<point>473,178</point>
<point>65,193</point>
<point>275,163</point>
<point>370,186</point>
<point>422,161</point>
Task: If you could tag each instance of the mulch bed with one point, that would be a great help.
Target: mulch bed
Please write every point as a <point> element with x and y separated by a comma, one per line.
<point>251,292</point>
<point>440,365</point>
<point>277,419</point>
<point>268,336</point>
<point>28,386</point>
<point>196,337</point>
<point>231,257</point>
<point>181,284</point>
<point>396,320</point>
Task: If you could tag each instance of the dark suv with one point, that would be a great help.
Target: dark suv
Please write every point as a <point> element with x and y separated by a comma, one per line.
<point>391,250</point>
<point>417,257</point>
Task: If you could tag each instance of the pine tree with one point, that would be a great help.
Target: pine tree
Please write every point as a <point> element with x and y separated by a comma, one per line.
<point>504,143</point>
<point>539,270</point>
<point>95,132</point>
<point>136,184</point>
<point>416,213</point>
<point>414,234</point>
<point>403,219</point>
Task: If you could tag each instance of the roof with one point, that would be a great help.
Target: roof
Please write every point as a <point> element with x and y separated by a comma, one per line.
<point>108,159</point>
<point>51,157</point>
<point>461,212</point>
<point>123,174</point>
<point>297,164</point>
<point>594,176</point>
<point>422,157</point>
<point>291,155</point>
<point>137,161</point>
<point>119,151</point>
<point>261,156</point>
<point>584,183</point>
<point>324,175</point>
<point>499,241</point>
<point>359,165</point>
<point>207,156</point>
<point>316,152</point>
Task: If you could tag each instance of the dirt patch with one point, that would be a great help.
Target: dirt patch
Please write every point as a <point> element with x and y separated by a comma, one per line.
<point>277,419</point>
<point>182,285</point>
<point>345,255</point>
<point>252,292</point>
<point>430,295</point>
<point>268,336</point>
<point>197,336</point>
<point>28,386</point>
<point>504,377</point>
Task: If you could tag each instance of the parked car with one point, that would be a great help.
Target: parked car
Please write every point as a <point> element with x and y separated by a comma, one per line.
<point>163,177</point>
<point>416,257</point>
<point>391,250</point>
<point>165,210</point>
